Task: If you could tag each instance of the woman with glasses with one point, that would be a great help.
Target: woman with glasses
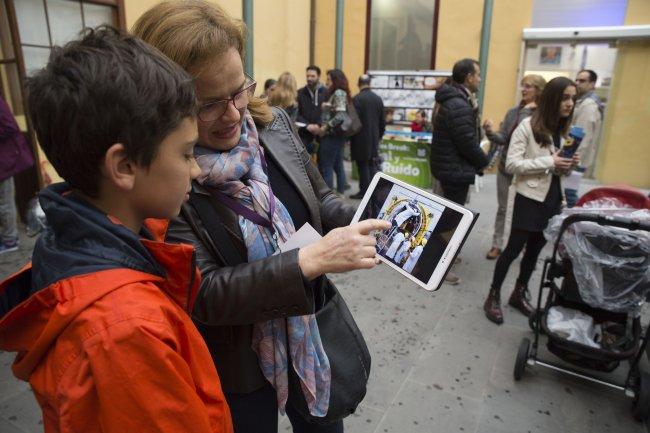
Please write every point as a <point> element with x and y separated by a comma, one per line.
<point>531,88</point>
<point>260,187</point>
<point>535,160</point>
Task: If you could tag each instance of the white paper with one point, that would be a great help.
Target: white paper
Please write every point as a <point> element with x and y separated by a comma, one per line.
<point>306,235</point>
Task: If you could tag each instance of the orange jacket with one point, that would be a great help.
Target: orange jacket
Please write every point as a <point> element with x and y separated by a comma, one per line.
<point>114,350</point>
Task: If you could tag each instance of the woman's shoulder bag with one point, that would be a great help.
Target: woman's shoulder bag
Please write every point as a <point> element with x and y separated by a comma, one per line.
<point>342,340</point>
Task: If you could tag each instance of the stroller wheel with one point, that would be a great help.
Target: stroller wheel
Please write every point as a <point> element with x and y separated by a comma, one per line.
<point>534,318</point>
<point>522,358</point>
<point>641,404</point>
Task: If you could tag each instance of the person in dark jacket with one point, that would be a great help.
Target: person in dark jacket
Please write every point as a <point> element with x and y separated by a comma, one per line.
<point>456,157</point>
<point>364,146</point>
<point>14,158</point>
<point>310,99</point>
<point>257,316</point>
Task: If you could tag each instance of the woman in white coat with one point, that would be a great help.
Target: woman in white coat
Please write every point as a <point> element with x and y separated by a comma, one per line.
<point>534,159</point>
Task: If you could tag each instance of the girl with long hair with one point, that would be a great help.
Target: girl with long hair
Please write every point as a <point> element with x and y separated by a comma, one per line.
<point>531,89</point>
<point>330,152</point>
<point>534,160</point>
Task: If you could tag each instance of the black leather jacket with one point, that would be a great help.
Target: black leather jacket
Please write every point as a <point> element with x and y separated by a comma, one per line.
<point>231,299</point>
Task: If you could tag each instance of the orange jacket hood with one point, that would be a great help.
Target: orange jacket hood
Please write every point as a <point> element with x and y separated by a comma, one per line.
<point>83,258</point>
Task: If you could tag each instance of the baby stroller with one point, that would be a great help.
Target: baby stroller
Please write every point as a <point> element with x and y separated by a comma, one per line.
<point>598,276</point>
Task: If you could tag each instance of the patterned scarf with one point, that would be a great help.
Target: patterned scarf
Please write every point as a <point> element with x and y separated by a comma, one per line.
<point>239,174</point>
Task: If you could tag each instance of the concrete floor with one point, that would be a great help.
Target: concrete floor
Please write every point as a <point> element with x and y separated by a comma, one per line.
<point>438,364</point>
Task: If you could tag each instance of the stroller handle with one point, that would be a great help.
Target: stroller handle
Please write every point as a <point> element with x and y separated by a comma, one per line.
<point>603,220</point>
<point>606,220</point>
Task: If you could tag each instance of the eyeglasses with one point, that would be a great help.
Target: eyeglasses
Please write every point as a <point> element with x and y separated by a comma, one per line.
<point>581,80</point>
<point>215,109</point>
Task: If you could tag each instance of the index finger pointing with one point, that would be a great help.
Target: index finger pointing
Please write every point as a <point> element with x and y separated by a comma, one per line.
<point>366,226</point>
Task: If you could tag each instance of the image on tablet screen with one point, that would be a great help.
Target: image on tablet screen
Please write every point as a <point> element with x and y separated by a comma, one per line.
<point>420,228</point>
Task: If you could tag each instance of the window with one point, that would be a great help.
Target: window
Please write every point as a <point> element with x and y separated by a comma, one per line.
<point>401,34</point>
<point>28,31</point>
<point>45,23</point>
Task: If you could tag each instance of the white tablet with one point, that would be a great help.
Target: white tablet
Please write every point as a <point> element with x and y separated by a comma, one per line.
<point>427,230</point>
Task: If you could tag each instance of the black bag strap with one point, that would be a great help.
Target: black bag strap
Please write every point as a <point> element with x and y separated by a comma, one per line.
<point>211,220</point>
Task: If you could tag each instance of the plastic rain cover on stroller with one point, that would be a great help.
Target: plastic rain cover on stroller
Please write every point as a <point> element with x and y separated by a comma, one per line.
<point>611,265</point>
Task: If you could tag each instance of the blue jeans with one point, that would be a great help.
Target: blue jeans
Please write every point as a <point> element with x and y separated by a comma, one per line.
<point>330,160</point>
<point>571,196</point>
<point>8,231</point>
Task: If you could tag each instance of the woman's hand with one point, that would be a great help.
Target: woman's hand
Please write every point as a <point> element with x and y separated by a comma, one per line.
<point>313,128</point>
<point>561,164</point>
<point>341,250</point>
<point>576,159</point>
<point>488,125</point>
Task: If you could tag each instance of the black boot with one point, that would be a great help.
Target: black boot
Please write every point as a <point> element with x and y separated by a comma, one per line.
<point>519,299</point>
<point>492,307</point>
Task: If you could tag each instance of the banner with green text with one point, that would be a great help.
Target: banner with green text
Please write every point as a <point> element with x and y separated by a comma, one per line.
<point>406,160</point>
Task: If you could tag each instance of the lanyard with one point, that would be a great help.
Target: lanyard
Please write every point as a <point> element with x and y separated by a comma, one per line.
<point>247,213</point>
<point>314,95</point>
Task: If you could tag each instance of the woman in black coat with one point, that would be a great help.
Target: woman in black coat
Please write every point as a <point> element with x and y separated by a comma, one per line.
<point>259,183</point>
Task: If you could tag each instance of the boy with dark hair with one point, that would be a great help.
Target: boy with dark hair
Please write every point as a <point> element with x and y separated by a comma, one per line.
<point>99,320</point>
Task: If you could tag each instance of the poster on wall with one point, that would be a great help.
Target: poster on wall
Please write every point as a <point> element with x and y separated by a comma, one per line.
<point>407,89</point>
<point>550,55</point>
<point>405,154</point>
<point>407,160</point>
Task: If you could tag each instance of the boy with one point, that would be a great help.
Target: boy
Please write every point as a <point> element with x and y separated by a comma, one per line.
<point>102,332</point>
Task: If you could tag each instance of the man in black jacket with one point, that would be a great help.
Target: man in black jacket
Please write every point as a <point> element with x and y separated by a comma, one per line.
<point>455,153</point>
<point>310,99</point>
<point>364,145</point>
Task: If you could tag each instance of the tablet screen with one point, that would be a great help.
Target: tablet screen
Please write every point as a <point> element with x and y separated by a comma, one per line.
<point>420,228</point>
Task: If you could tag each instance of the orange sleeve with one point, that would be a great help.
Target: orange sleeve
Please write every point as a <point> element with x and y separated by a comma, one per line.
<point>142,384</point>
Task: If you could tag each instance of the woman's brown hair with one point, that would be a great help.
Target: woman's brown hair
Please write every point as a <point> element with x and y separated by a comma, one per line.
<point>339,81</point>
<point>192,33</point>
<point>546,120</point>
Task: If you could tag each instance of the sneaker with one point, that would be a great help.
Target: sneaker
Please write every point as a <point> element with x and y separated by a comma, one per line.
<point>357,196</point>
<point>452,278</point>
<point>8,247</point>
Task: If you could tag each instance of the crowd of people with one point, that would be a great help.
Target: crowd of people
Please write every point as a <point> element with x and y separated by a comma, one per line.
<point>160,271</point>
<point>321,113</point>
